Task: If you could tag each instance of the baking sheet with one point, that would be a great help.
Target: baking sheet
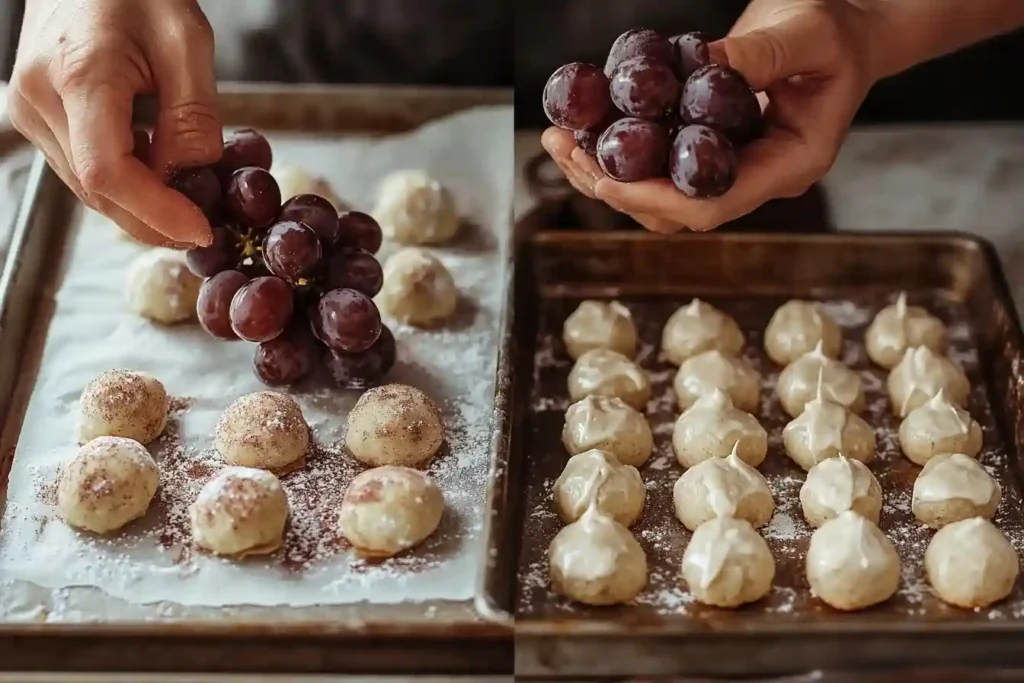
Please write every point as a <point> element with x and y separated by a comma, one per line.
<point>90,331</point>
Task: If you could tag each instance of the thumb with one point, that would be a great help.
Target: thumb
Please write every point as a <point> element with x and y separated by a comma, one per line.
<point>770,54</point>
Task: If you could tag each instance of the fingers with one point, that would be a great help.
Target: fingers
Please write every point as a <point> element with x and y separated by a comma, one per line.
<point>560,144</point>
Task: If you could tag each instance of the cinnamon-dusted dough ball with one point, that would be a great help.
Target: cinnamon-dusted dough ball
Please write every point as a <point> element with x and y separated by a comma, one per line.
<point>951,487</point>
<point>418,289</point>
<point>597,478</point>
<point>265,430</point>
<point>699,327</point>
<point>608,424</point>
<point>414,208</point>
<point>728,564</point>
<point>970,564</point>
<point>701,374</point>
<point>109,483</point>
<point>797,328</point>
<point>815,373</point>
<point>601,372</point>
<point>836,485</point>
<point>899,327</point>
<point>713,428</point>
<point>295,180</point>
<point>824,430</point>
<point>241,511</point>
<point>920,376</point>
<point>395,424</point>
<point>596,561</point>
<point>939,426</point>
<point>851,564</point>
<point>123,403</point>
<point>388,509</point>
<point>599,325</point>
<point>722,487</point>
<point>160,286</point>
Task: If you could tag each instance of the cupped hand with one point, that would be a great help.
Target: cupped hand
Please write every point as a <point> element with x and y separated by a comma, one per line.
<point>80,65</point>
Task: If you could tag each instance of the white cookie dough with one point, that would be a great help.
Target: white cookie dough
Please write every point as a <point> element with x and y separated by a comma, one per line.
<point>387,510</point>
<point>109,483</point>
<point>722,487</point>
<point>899,327</point>
<point>602,372</point>
<point>418,289</point>
<point>699,327</point>
<point>799,327</point>
<point>728,564</point>
<point>295,180</point>
<point>608,424</point>
<point>713,428</point>
<point>701,374</point>
<point>836,485</point>
<point>952,487</point>
<point>939,426</point>
<point>161,288</point>
<point>265,430</point>
<point>596,561</point>
<point>597,478</point>
<point>851,564</point>
<point>919,377</point>
<point>971,564</point>
<point>242,511</point>
<point>395,424</point>
<point>413,208</point>
<point>123,403</point>
<point>816,373</point>
<point>600,325</point>
<point>824,430</point>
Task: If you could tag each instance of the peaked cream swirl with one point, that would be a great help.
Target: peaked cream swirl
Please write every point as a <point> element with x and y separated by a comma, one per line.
<point>719,542</point>
<point>699,327</point>
<point>919,377</point>
<point>899,327</point>
<point>955,477</point>
<point>815,374</point>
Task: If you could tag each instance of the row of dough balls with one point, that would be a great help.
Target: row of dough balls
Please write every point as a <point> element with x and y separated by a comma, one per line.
<point>243,509</point>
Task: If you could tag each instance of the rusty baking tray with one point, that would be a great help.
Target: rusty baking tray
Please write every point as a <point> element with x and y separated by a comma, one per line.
<point>664,632</point>
<point>448,637</point>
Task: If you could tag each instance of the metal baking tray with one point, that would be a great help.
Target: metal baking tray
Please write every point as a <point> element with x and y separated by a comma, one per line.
<point>444,637</point>
<point>956,275</point>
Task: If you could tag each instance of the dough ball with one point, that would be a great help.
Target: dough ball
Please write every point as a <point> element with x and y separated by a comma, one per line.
<point>920,376</point>
<point>851,564</point>
<point>608,424</point>
<point>418,289</point>
<point>160,286</point>
<point>241,511</point>
<point>123,403</point>
<point>601,372</point>
<point>413,208</point>
<point>952,487</point>
<point>939,426</point>
<point>597,478</point>
<point>600,325</point>
<point>899,327</point>
<point>799,327</point>
<point>596,561</point>
<point>824,430</point>
<point>389,509</point>
<point>294,180</point>
<point>722,487</point>
<point>713,428</point>
<point>970,564</point>
<point>701,374</point>
<point>395,424</point>
<point>699,327</point>
<point>264,430</point>
<point>109,483</point>
<point>815,374</point>
<point>839,484</point>
<point>728,564</point>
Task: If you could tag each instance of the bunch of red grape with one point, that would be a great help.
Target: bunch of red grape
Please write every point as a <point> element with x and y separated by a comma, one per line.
<point>660,107</point>
<point>297,278</point>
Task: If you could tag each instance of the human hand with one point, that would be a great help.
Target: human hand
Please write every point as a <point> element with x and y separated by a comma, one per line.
<point>80,64</point>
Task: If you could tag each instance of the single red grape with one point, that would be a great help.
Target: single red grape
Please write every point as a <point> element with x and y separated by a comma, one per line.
<point>359,230</point>
<point>141,146</point>
<point>262,309</point>
<point>244,147</point>
<point>214,303</point>
<point>291,250</point>
<point>718,97</point>
<point>349,320</point>
<point>633,149</point>
<point>644,88</point>
<point>692,52</point>
<point>576,96</point>
<point>354,269</point>
<point>587,139</point>
<point>639,42</point>
<point>253,197</point>
<point>363,370</point>
<point>287,358</point>
<point>201,187</point>
<point>223,254</point>
<point>314,211</point>
<point>702,162</point>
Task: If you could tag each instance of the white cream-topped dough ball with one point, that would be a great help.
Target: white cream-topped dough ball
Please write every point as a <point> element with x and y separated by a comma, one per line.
<point>714,428</point>
<point>597,478</point>
<point>599,325</point>
<point>899,327</point>
<point>265,430</point>
<point>414,208</point>
<point>815,374</point>
<point>602,372</point>
<point>700,375</point>
<point>722,487</point>
<point>920,376</point>
<point>728,564</point>
<point>824,430</point>
<point>836,485</point>
<point>109,483</point>
<point>971,564</point>
<point>295,180</point>
<point>395,424</point>
<point>939,426</point>
<point>608,424</point>
<point>123,403</point>
<point>241,511</point>
<point>699,327</point>
<point>161,288</point>
<point>418,289</point>
<point>797,328</point>
<point>952,487</point>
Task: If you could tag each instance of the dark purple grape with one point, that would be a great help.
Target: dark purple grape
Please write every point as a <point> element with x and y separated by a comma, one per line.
<point>253,197</point>
<point>201,187</point>
<point>313,314</point>
<point>633,149</point>
<point>576,96</point>
<point>222,254</point>
<point>358,230</point>
<point>292,250</point>
<point>354,269</point>
<point>214,303</point>
<point>287,358</point>
<point>349,320</point>
<point>587,139</point>
<point>262,309</point>
<point>692,52</point>
<point>244,147</point>
<point>363,370</point>
<point>702,162</point>
<point>314,211</point>
<point>718,97</point>
<point>644,88</point>
<point>639,42</point>
<point>142,147</point>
